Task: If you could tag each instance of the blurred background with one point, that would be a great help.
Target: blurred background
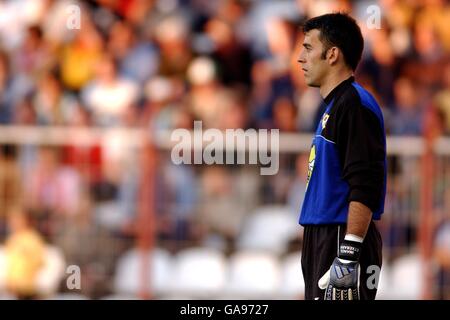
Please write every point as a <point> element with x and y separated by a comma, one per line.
<point>86,179</point>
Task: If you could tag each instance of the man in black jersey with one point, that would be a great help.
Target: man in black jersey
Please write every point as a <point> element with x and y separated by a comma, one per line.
<point>346,184</point>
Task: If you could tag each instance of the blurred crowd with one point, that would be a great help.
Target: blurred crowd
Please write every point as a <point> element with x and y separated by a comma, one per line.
<point>229,63</point>
<point>160,65</point>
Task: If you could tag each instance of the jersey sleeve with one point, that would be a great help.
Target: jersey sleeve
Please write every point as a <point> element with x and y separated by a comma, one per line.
<point>361,147</point>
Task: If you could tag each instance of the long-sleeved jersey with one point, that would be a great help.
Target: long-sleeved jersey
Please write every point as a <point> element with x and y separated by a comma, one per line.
<point>347,160</point>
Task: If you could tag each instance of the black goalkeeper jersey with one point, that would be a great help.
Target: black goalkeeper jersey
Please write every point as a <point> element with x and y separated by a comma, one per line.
<point>348,157</point>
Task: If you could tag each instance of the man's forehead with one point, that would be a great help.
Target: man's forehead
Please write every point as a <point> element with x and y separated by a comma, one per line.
<point>312,36</point>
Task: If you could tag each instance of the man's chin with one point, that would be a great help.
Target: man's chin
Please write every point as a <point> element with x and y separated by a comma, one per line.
<point>311,83</point>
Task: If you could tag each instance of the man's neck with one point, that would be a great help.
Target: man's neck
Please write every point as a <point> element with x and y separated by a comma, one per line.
<point>333,80</point>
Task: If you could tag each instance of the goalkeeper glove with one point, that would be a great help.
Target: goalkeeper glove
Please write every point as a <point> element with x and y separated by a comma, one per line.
<point>341,281</point>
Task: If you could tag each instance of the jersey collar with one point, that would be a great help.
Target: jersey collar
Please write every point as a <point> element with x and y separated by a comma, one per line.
<point>338,88</point>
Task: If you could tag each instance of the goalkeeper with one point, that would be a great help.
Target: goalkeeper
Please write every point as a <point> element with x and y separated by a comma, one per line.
<point>346,184</point>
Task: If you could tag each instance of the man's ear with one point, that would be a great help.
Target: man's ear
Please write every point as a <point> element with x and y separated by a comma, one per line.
<point>333,55</point>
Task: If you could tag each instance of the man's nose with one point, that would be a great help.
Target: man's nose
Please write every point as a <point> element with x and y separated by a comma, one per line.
<point>301,58</point>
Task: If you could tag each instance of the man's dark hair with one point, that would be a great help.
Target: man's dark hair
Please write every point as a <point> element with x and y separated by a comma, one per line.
<point>339,30</point>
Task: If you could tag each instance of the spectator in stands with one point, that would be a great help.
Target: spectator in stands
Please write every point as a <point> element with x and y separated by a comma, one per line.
<point>285,115</point>
<point>34,56</point>
<point>441,100</point>
<point>24,254</point>
<point>52,107</point>
<point>109,95</point>
<point>138,59</point>
<point>172,35</point>
<point>407,117</point>
<point>24,112</point>
<point>80,56</point>
<point>6,93</point>
<point>262,96</point>
<point>161,104</point>
<point>232,57</point>
<point>205,95</point>
<point>53,190</point>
